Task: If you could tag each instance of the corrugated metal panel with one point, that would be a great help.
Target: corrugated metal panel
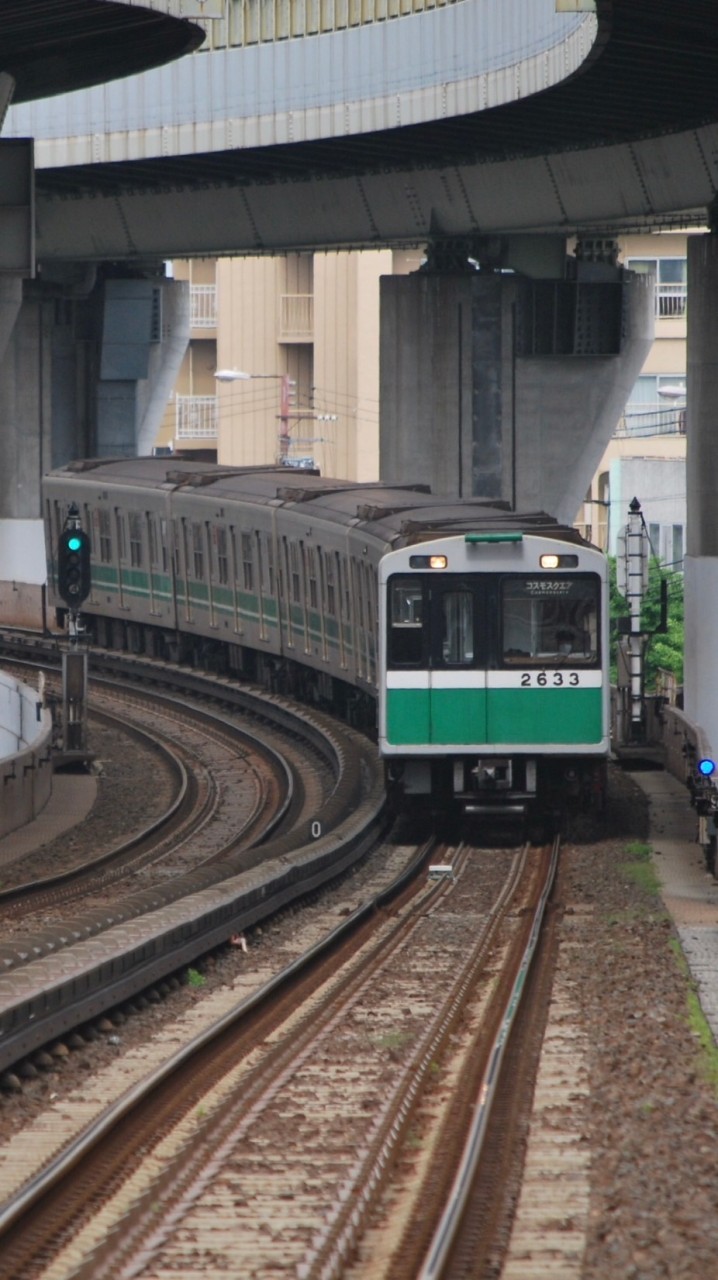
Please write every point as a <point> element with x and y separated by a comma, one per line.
<point>465,57</point>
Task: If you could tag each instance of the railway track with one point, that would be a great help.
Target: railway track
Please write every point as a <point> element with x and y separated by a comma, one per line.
<point>117,948</point>
<point>231,790</point>
<point>316,1126</point>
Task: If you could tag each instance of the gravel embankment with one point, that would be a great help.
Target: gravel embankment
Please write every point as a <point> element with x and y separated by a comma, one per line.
<point>653,1131</point>
<point>654,1097</point>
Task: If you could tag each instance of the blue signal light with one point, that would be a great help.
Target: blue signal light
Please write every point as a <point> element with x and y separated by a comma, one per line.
<point>706,767</point>
<point>74,543</point>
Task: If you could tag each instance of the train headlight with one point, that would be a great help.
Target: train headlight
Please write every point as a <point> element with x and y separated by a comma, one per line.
<point>553,561</point>
<point>428,562</point>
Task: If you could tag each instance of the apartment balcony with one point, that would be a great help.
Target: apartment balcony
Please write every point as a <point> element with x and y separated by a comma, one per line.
<point>653,420</point>
<point>296,317</point>
<point>196,417</point>
<point>671,301</point>
<point>203,306</point>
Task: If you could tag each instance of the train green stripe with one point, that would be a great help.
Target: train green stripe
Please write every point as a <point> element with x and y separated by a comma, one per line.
<point>465,716</point>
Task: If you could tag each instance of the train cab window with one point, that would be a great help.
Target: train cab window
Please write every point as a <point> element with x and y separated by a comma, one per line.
<point>457,626</point>
<point>406,622</point>
<point>550,621</point>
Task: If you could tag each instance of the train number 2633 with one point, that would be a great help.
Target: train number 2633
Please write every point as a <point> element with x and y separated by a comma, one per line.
<point>551,678</point>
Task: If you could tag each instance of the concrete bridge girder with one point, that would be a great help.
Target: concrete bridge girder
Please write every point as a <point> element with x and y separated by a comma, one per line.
<point>564,193</point>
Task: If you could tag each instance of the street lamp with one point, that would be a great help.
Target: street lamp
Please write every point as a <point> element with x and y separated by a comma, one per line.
<point>287,387</point>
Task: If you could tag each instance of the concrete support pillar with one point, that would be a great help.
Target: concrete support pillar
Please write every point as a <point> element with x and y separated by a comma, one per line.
<point>145,332</point>
<point>25,450</point>
<point>701,562</point>
<point>10,303</point>
<point>78,378</point>
<point>497,385</point>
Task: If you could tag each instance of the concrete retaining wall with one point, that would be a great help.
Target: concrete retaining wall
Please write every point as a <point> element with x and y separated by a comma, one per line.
<point>25,754</point>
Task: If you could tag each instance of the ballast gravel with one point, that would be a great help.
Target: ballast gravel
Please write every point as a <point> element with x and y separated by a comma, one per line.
<point>652,1129</point>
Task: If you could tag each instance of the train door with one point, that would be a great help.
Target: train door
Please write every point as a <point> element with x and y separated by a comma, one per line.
<point>457,662</point>
<point>436,660</point>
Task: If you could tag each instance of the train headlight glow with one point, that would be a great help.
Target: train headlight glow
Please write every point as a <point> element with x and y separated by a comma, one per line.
<point>428,562</point>
<point>553,561</point>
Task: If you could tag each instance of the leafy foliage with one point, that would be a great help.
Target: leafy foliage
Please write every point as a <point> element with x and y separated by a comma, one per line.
<point>663,651</point>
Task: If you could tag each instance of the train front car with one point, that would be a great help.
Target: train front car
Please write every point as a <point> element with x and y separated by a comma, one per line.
<point>494,695</point>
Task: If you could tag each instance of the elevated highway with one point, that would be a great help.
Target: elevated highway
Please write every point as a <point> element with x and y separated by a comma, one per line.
<point>463,120</point>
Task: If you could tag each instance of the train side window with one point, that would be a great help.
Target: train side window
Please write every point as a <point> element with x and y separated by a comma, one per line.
<point>105,532</point>
<point>135,526</point>
<point>164,543</point>
<point>197,552</point>
<point>457,628</point>
<point>406,622</point>
<point>247,565</point>
<point>222,555</point>
<point>550,621</point>
<point>331,586</point>
<point>294,571</point>
<point>120,523</point>
<point>312,574</point>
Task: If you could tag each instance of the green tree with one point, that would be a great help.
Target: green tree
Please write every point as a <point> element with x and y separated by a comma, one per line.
<point>664,651</point>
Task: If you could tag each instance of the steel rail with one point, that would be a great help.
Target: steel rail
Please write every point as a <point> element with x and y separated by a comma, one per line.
<point>31,1194</point>
<point>448,1227</point>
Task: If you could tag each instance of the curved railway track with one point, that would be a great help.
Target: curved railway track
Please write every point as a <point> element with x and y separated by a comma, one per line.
<point>116,949</point>
<point>308,1118</point>
<point>231,790</point>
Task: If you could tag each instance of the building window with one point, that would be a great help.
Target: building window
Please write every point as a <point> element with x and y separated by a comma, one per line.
<point>671,277</point>
<point>677,548</point>
<point>656,406</point>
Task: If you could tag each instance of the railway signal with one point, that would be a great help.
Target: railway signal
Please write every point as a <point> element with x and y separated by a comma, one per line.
<point>73,563</point>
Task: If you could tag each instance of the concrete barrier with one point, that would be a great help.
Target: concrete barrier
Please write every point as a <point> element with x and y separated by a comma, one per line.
<point>25,754</point>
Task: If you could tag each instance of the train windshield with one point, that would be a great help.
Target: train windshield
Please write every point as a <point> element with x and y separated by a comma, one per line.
<point>550,620</point>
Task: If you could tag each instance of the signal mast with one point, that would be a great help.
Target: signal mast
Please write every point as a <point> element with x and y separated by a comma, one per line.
<point>74,582</point>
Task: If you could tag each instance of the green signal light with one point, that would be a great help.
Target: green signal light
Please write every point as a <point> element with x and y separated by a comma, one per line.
<point>74,543</point>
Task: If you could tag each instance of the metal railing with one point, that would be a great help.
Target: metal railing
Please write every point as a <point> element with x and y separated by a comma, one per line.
<point>671,301</point>
<point>203,306</point>
<point>195,417</point>
<point>296,317</point>
<point>653,420</point>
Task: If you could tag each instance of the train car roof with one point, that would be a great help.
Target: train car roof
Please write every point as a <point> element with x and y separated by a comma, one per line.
<point>395,514</point>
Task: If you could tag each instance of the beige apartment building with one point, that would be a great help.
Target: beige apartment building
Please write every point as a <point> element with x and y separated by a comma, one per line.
<point>295,341</point>
<point>646,457</point>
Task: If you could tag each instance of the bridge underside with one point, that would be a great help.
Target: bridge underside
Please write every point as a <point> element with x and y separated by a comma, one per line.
<point>51,48</point>
<point>629,141</point>
<point>563,193</point>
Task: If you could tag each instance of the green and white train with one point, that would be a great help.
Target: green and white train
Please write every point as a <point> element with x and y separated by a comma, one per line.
<point>474,639</point>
